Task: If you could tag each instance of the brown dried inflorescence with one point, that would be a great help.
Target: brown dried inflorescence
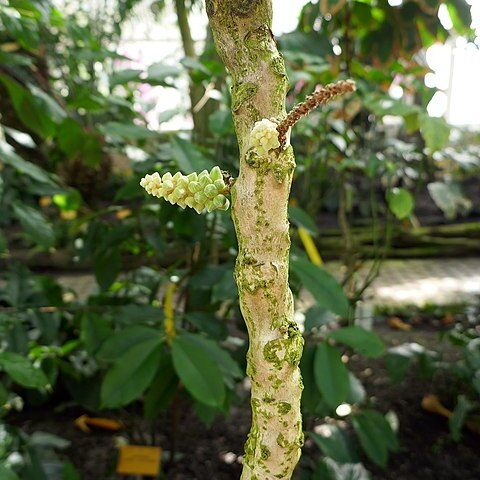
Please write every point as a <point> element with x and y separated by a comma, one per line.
<point>320,97</point>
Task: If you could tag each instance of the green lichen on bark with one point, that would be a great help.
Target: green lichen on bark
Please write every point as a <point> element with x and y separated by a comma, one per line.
<point>242,32</point>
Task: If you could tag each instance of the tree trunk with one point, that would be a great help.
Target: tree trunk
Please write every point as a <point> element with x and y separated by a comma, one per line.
<point>196,92</point>
<point>243,37</point>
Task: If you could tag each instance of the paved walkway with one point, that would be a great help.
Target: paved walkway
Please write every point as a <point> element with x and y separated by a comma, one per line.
<point>429,281</point>
<point>419,282</point>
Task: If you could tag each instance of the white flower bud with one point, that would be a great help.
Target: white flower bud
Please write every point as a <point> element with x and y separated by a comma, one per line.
<point>210,191</point>
<point>202,191</point>
<point>264,137</point>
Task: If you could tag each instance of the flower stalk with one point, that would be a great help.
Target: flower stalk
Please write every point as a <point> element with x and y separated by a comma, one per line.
<point>317,98</point>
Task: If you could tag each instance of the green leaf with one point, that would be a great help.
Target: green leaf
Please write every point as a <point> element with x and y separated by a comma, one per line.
<point>456,421</point>
<point>317,316</point>
<point>221,357</point>
<point>127,131</point>
<point>33,112</point>
<point>29,169</point>
<point>323,286</point>
<point>188,157</point>
<point>115,345</point>
<point>335,443</point>
<point>138,314</point>
<point>107,267</point>
<point>35,224</point>
<point>329,469</point>
<point>365,342</point>
<point>7,474</point>
<point>208,323</point>
<point>3,243</point>
<point>400,202</point>
<point>200,374</point>
<point>399,359</point>
<point>68,201</point>
<point>3,395</point>
<point>48,103</point>
<point>205,413</point>
<point>449,198</point>
<point>124,76</point>
<point>226,288</point>
<point>47,440</point>
<point>95,329</point>
<point>167,115</point>
<point>460,13</point>
<point>302,219</point>
<point>160,74</point>
<point>311,397</point>
<point>69,471</point>
<point>435,132</point>
<point>131,374</point>
<point>162,389</point>
<point>375,435</point>
<point>70,137</point>
<point>22,371</point>
<point>331,374</point>
<point>356,391</point>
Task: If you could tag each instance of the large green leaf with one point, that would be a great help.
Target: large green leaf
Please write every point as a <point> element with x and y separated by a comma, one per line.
<point>131,374</point>
<point>124,76</point>
<point>311,396</point>
<point>188,157</point>
<point>29,169</point>
<point>32,110</point>
<point>435,132</point>
<point>200,374</point>
<point>356,391</point>
<point>107,267</point>
<point>400,202</point>
<point>456,421</point>
<point>127,131</point>
<point>322,285</point>
<point>138,314</point>
<point>302,219</point>
<point>162,389</point>
<point>331,375</point>
<point>160,74</point>
<point>366,342</point>
<point>221,357</point>
<point>22,371</point>
<point>115,345</point>
<point>7,474</point>
<point>449,198</point>
<point>35,224</point>
<point>95,329</point>
<point>208,323</point>
<point>375,435</point>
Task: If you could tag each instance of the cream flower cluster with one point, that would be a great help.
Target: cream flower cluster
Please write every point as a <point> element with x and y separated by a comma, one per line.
<point>203,191</point>
<point>264,136</point>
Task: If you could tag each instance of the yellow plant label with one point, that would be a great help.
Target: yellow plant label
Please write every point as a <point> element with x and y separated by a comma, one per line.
<point>138,460</point>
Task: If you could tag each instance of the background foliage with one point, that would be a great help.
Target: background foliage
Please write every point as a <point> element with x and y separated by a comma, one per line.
<point>164,320</point>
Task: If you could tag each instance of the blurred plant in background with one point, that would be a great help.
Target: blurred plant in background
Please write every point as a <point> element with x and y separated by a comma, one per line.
<point>74,144</point>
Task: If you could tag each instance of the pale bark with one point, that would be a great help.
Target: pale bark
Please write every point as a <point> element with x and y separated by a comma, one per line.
<point>259,208</point>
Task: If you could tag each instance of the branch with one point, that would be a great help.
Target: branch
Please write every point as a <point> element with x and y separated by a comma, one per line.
<point>320,97</point>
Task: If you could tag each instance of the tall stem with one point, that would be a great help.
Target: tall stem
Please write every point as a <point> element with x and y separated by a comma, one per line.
<point>195,91</point>
<point>259,208</point>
